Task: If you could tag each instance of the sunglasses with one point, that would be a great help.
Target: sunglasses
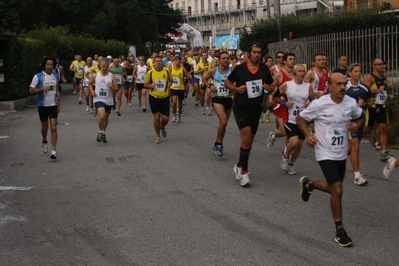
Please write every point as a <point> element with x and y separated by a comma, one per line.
<point>279,57</point>
<point>380,64</point>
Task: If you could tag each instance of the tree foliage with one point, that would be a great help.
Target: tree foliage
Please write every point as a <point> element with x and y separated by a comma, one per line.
<point>267,31</point>
<point>130,21</point>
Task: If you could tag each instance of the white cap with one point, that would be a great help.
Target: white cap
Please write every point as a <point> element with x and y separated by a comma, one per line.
<point>109,57</point>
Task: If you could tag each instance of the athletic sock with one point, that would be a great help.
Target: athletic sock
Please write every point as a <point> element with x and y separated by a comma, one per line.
<point>244,157</point>
<point>356,174</point>
<point>338,225</point>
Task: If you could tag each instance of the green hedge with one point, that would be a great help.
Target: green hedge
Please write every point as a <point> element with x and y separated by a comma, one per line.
<point>20,63</point>
<point>22,55</point>
<point>267,31</point>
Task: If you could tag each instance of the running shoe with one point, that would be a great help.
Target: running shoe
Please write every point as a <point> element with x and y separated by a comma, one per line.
<point>270,141</point>
<point>184,102</point>
<point>87,108</point>
<point>103,138</point>
<point>118,113</point>
<point>238,172</point>
<point>144,109</point>
<point>389,167</point>
<point>305,192</point>
<point>178,118</point>
<point>342,238</point>
<point>267,118</point>
<point>75,91</point>
<point>98,137</point>
<point>113,106</point>
<point>359,180</point>
<point>139,102</point>
<point>218,150</point>
<point>157,140</point>
<point>260,119</point>
<point>385,156</point>
<point>91,110</point>
<point>53,155</point>
<point>80,100</point>
<point>208,112</point>
<point>202,112</point>
<point>244,180</point>
<point>196,103</point>
<point>130,105</point>
<point>174,119</point>
<point>193,94</point>
<point>377,146</point>
<point>164,133</point>
<point>291,170</point>
<point>45,147</point>
<point>284,162</point>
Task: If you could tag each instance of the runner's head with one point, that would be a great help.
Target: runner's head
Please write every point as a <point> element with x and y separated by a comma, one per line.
<point>48,64</point>
<point>89,61</point>
<point>279,57</point>
<point>354,71</point>
<point>269,61</point>
<point>299,72</point>
<point>378,65</point>
<point>318,61</point>
<point>158,62</point>
<point>337,86</point>
<point>343,62</point>
<point>254,52</point>
<point>289,60</point>
<point>224,59</point>
<point>104,65</point>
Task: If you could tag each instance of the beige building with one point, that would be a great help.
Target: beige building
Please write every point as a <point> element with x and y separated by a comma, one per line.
<point>366,4</point>
<point>225,14</point>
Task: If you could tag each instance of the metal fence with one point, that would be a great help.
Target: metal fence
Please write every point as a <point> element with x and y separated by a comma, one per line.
<point>360,46</point>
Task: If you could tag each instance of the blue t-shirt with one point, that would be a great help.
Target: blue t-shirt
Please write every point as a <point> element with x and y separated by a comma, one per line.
<point>361,91</point>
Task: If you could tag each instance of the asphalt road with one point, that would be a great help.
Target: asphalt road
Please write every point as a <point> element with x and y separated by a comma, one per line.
<point>133,202</point>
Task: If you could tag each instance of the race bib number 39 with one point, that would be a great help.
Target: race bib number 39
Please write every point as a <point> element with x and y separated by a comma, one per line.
<point>254,88</point>
<point>52,89</point>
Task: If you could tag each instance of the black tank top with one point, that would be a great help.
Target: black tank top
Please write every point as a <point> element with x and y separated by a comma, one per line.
<point>380,81</point>
<point>129,70</point>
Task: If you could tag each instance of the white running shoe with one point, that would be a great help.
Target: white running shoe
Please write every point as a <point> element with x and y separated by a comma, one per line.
<point>157,140</point>
<point>178,118</point>
<point>245,180</point>
<point>208,112</point>
<point>87,108</point>
<point>202,111</point>
<point>174,119</point>
<point>238,172</point>
<point>91,110</point>
<point>270,141</point>
<point>164,133</point>
<point>53,155</point>
<point>389,167</point>
<point>45,147</point>
<point>359,180</point>
<point>291,170</point>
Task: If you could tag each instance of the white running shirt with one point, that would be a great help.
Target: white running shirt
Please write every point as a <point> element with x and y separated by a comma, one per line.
<point>331,121</point>
<point>103,92</point>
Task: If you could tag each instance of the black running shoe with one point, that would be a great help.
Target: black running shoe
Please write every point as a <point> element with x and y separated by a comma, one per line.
<point>305,193</point>
<point>342,238</point>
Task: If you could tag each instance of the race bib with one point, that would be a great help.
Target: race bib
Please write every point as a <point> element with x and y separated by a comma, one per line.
<point>118,79</point>
<point>336,139</point>
<point>254,88</point>
<point>176,82</point>
<point>130,78</point>
<point>160,85</point>
<point>381,97</point>
<point>79,68</point>
<point>222,91</point>
<point>53,87</point>
<point>294,111</point>
<point>103,93</point>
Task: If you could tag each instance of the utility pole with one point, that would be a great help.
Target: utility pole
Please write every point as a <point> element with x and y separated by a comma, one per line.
<point>268,10</point>
<point>277,16</point>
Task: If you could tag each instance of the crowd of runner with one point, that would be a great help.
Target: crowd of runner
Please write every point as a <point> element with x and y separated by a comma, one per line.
<point>330,110</point>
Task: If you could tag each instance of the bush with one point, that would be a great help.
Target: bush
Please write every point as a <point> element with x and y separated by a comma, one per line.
<point>21,62</point>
